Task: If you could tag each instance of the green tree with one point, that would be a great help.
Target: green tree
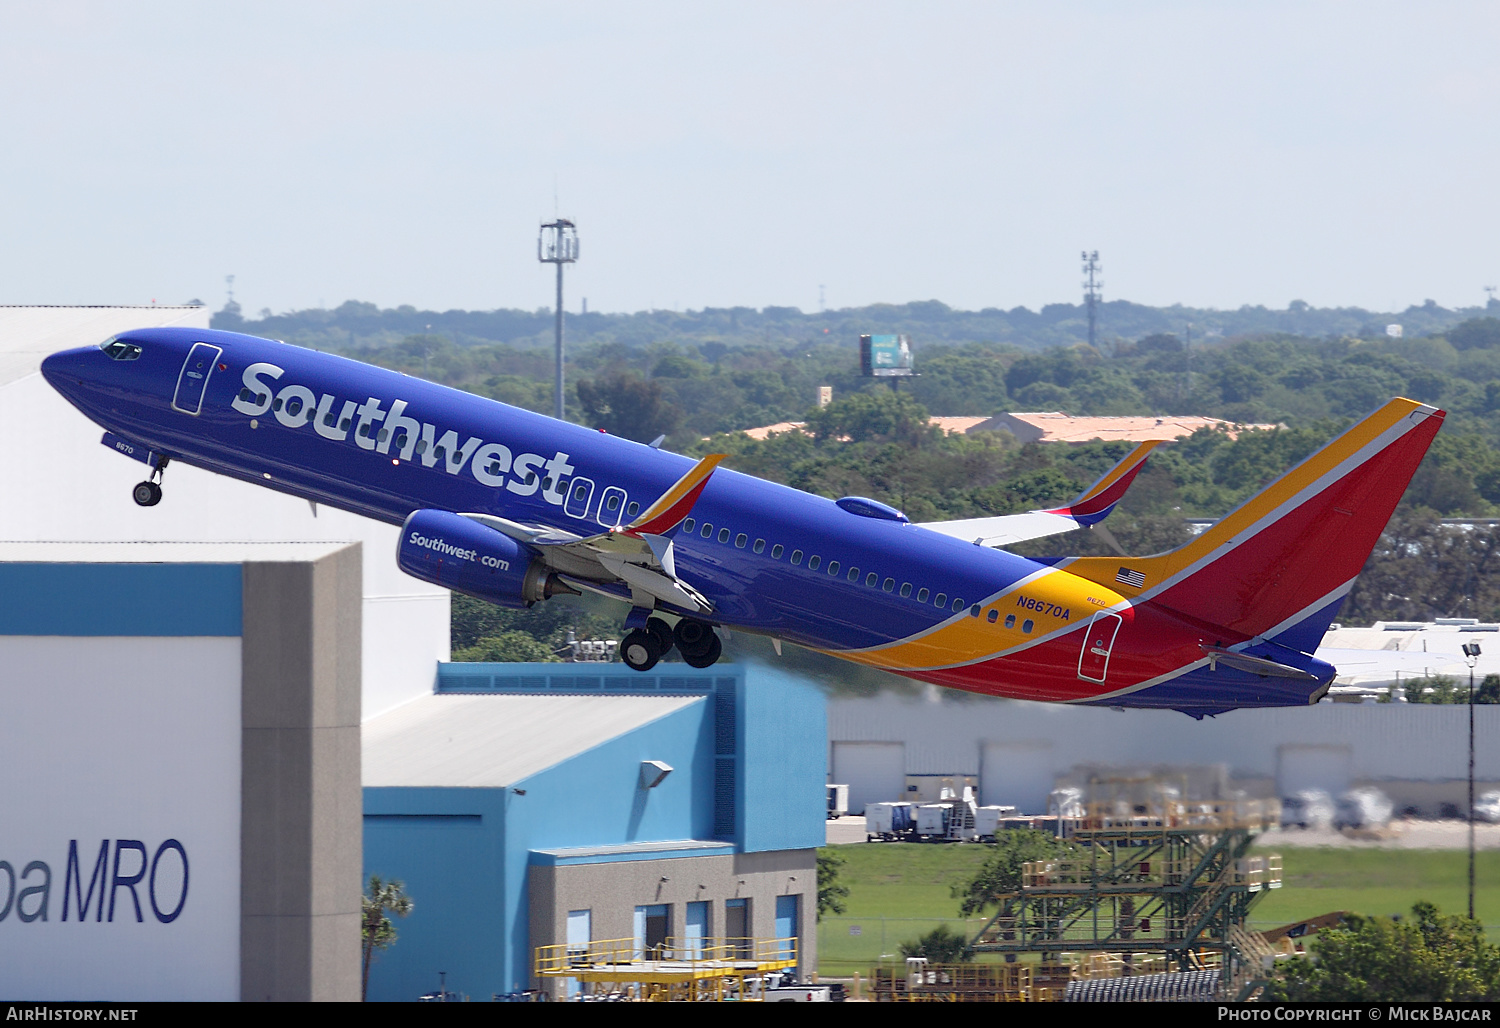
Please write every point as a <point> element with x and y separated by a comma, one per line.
<point>942,945</point>
<point>1000,874</point>
<point>625,404</point>
<point>507,647</point>
<point>1429,957</point>
<point>381,899</point>
<point>831,894</point>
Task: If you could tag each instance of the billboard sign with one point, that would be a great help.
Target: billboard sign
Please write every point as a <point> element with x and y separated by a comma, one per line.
<point>885,356</point>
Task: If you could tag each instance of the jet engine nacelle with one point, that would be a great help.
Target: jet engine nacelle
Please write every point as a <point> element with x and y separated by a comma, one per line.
<point>458,553</point>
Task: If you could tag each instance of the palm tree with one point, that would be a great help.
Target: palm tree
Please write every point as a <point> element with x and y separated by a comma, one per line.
<point>381,898</point>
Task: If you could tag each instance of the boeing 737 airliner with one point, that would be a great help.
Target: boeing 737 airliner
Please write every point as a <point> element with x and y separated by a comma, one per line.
<point>515,507</point>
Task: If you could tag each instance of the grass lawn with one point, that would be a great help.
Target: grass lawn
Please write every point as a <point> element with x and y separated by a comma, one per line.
<point>899,891</point>
<point>1368,881</point>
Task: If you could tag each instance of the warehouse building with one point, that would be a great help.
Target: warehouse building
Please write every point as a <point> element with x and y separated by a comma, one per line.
<point>527,805</point>
<point>1017,751</point>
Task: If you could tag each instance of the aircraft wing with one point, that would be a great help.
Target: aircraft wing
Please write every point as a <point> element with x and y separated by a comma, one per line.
<point>1091,506</point>
<point>637,556</point>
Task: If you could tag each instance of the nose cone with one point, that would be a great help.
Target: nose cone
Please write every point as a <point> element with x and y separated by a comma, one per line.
<point>66,370</point>
<point>78,374</point>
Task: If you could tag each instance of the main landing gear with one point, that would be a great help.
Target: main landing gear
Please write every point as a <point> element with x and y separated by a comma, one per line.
<point>696,640</point>
<point>148,493</point>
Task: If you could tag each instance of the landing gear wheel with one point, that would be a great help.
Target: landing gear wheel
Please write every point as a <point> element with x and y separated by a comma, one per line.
<point>693,637</point>
<point>663,633</point>
<point>640,650</point>
<point>146,494</point>
<point>709,656</point>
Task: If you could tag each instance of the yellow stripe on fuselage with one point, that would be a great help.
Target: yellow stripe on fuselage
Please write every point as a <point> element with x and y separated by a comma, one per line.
<point>1051,600</point>
<point>1163,566</point>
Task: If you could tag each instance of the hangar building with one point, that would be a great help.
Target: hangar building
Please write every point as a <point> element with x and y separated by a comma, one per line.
<point>1416,753</point>
<point>62,485</point>
<point>517,805</point>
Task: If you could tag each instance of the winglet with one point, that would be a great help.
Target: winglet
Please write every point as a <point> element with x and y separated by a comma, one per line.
<point>1095,502</point>
<point>667,512</point>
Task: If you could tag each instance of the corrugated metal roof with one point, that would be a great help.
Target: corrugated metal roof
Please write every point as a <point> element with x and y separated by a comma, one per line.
<point>29,333</point>
<point>1057,427</point>
<point>489,741</point>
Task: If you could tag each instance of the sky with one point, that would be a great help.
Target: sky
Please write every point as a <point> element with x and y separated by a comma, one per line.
<point>1214,154</point>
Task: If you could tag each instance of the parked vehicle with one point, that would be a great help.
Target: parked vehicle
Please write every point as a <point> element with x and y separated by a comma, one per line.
<point>889,822</point>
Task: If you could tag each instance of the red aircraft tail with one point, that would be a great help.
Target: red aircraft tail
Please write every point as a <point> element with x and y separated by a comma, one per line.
<point>1279,566</point>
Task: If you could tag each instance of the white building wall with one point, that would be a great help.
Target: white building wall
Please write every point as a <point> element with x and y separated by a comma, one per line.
<point>62,485</point>
<point>1388,743</point>
<point>134,739</point>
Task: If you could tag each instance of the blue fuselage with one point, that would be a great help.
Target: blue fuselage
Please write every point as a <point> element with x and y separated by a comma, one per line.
<point>383,444</point>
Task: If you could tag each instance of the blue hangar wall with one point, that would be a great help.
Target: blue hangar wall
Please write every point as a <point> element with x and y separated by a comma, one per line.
<point>748,751</point>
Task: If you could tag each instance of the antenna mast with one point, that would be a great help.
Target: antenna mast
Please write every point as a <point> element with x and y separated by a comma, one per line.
<point>558,244</point>
<point>1091,290</point>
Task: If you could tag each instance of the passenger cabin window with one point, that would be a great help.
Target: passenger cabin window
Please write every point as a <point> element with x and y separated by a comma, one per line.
<point>854,574</point>
<point>922,595</point>
<point>740,540</point>
<point>760,546</point>
<point>958,605</point>
<point>614,502</point>
<point>1027,625</point>
<point>796,556</point>
<point>993,616</point>
<point>872,578</point>
<point>708,530</point>
<point>940,600</point>
<point>687,524</point>
<point>813,562</point>
<point>888,585</point>
<point>905,588</point>
<point>633,509</point>
<point>777,551</point>
<point>1010,621</point>
<point>723,535</point>
<point>833,566</point>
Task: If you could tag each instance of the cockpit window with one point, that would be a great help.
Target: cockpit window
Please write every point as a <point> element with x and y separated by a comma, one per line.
<point>119,350</point>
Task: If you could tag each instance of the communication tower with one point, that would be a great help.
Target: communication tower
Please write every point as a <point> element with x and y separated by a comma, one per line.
<point>558,244</point>
<point>1091,289</point>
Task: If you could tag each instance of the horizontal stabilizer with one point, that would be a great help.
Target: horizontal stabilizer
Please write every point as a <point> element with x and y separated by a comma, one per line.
<point>1091,506</point>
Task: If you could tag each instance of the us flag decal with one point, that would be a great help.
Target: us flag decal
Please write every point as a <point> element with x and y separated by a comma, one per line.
<point>1131,578</point>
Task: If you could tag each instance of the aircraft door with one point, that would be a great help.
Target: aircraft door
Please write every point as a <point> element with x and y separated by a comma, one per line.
<point>1098,641</point>
<point>580,493</point>
<point>611,507</point>
<point>193,378</point>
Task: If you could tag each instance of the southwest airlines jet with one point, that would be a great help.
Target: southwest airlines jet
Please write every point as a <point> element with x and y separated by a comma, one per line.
<point>514,507</point>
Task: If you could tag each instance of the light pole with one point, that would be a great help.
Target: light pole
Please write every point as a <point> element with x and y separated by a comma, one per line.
<point>1471,655</point>
<point>558,244</point>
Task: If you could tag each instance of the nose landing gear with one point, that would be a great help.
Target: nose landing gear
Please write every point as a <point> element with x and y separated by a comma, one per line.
<point>148,493</point>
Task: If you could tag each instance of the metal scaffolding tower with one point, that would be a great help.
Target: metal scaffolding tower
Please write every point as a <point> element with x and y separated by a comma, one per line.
<point>1159,874</point>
